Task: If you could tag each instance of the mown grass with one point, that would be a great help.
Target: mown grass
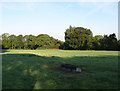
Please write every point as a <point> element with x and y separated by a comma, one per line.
<point>33,69</point>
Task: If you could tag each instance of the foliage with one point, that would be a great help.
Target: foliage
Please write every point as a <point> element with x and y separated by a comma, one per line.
<point>76,38</point>
<point>96,42</point>
<point>119,45</point>
<point>109,42</point>
<point>79,38</point>
<point>42,41</point>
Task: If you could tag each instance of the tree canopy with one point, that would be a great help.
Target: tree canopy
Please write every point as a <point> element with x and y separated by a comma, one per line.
<point>76,38</point>
<point>79,38</point>
<point>42,41</point>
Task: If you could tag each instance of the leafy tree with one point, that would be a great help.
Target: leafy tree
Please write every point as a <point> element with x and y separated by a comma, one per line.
<point>109,42</point>
<point>25,41</point>
<point>75,38</point>
<point>0,41</point>
<point>31,41</point>
<point>78,38</point>
<point>118,45</point>
<point>5,36</point>
<point>112,42</point>
<point>13,41</point>
<point>5,41</point>
<point>96,42</point>
<point>20,41</point>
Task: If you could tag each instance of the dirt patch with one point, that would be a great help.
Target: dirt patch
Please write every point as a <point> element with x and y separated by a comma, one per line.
<point>64,71</point>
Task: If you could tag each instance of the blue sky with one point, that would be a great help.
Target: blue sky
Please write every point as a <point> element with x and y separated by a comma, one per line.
<point>53,18</point>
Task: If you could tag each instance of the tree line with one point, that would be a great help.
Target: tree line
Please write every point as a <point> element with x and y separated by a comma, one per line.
<point>42,41</point>
<point>79,38</point>
<point>76,38</point>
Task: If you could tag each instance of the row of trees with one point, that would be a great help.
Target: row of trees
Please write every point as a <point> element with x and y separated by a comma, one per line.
<point>76,38</point>
<point>79,38</point>
<point>42,41</point>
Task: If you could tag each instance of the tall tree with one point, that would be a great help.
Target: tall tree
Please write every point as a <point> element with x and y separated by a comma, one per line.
<point>96,42</point>
<point>13,41</point>
<point>112,42</point>
<point>5,41</point>
<point>31,41</point>
<point>78,38</point>
<point>20,41</point>
<point>0,41</point>
<point>25,41</point>
<point>109,42</point>
<point>118,45</point>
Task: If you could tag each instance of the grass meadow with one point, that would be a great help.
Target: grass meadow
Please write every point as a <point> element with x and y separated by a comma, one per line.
<point>35,69</point>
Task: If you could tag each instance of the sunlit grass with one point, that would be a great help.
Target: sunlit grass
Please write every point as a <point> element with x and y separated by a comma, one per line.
<point>33,69</point>
<point>63,53</point>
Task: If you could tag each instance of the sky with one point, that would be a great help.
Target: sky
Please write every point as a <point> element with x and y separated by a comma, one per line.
<point>53,18</point>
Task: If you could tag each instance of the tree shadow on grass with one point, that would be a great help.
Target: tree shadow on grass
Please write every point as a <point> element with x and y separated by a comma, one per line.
<point>3,50</point>
<point>29,71</point>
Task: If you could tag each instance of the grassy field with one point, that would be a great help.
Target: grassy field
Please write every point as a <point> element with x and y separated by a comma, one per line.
<point>35,69</point>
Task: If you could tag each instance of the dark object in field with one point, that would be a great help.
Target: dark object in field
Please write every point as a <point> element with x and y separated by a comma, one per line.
<point>72,68</point>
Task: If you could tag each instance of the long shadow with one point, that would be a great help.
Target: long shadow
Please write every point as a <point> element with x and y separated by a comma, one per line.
<point>3,50</point>
<point>29,71</point>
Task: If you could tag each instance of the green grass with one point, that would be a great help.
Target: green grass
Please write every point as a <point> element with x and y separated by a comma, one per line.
<point>33,69</point>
